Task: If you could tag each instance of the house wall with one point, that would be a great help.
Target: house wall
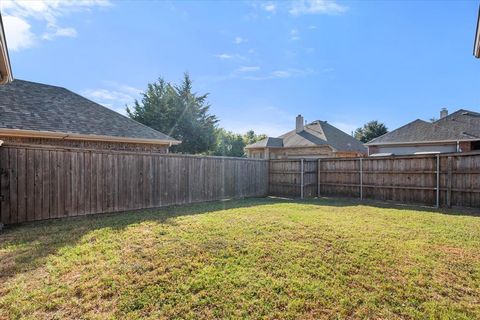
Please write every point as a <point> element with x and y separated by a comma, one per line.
<point>257,153</point>
<point>465,146</point>
<point>411,149</point>
<point>297,153</point>
<point>95,145</point>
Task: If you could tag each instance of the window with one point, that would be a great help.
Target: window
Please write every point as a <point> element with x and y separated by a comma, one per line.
<point>475,145</point>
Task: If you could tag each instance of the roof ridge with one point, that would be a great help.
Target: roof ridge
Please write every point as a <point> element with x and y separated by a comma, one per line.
<point>116,113</point>
<point>40,83</point>
<point>399,128</point>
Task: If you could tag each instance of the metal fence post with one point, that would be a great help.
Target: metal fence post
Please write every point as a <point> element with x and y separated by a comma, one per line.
<point>301,179</point>
<point>438,180</point>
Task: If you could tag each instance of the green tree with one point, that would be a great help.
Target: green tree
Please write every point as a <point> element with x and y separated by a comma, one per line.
<point>178,112</point>
<point>370,131</point>
<point>228,144</point>
<point>250,137</point>
<point>232,144</point>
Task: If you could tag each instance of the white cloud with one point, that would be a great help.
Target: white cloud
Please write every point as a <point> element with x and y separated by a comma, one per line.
<point>302,7</point>
<point>224,56</point>
<point>283,74</point>
<point>60,32</point>
<point>294,35</point>
<point>248,69</point>
<point>18,33</point>
<point>116,96</point>
<point>270,7</point>
<point>239,40</point>
<point>19,16</point>
<point>228,56</point>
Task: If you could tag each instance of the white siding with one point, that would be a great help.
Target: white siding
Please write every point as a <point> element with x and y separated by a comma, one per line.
<point>401,150</point>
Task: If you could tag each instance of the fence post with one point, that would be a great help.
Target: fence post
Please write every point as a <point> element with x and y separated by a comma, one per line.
<point>438,180</point>
<point>361,179</point>
<point>268,176</point>
<point>301,179</point>
<point>449,182</point>
<point>318,178</point>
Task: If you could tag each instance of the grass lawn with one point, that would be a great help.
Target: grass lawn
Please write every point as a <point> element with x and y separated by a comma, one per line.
<point>256,258</point>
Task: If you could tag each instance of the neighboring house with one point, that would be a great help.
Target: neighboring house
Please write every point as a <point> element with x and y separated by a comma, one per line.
<point>5,69</point>
<point>476,46</point>
<point>457,132</point>
<point>315,140</point>
<point>39,114</point>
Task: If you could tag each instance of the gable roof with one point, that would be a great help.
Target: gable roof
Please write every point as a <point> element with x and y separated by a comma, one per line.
<point>460,125</point>
<point>5,69</point>
<point>317,133</point>
<point>26,105</point>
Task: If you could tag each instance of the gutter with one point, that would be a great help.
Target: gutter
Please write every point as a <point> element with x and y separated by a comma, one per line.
<point>85,137</point>
<point>418,142</point>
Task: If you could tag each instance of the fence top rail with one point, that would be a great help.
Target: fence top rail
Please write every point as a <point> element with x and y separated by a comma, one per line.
<point>295,160</point>
<point>412,156</point>
<point>119,152</point>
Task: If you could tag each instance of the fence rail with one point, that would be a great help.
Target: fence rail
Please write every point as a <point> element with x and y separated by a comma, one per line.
<point>435,180</point>
<point>38,183</point>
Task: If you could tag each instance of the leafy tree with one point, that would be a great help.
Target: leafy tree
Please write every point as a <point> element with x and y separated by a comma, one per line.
<point>370,131</point>
<point>178,112</point>
<point>250,137</point>
<point>232,144</point>
<point>228,144</point>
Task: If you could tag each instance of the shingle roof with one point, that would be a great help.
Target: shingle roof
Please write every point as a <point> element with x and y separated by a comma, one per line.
<point>267,143</point>
<point>460,125</point>
<point>317,133</point>
<point>33,106</point>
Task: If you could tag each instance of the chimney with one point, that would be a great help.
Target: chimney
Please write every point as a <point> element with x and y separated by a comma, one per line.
<point>443,113</point>
<point>299,124</point>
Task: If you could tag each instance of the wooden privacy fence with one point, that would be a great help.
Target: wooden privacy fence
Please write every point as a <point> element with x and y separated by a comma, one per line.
<point>436,180</point>
<point>41,183</point>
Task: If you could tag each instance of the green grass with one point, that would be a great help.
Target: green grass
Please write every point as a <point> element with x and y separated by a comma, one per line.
<point>257,258</point>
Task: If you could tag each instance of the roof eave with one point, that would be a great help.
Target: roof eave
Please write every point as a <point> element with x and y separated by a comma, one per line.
<point>369,144</point>
<point>6,75</point>
<point>76,136</point>
<point>476,46</point>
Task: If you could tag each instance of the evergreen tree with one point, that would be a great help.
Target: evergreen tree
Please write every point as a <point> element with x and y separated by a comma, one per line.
<point>178,112</point>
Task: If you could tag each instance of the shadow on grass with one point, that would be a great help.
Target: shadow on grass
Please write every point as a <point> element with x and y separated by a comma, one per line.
<point>348,202</point>
<point>26,246</point>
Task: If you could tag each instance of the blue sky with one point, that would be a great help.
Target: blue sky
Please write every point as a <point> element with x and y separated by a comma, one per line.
<point>263,63</point>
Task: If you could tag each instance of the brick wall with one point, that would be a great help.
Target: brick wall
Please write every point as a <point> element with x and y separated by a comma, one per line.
<point>465,146</point>
<point>372,149</point>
